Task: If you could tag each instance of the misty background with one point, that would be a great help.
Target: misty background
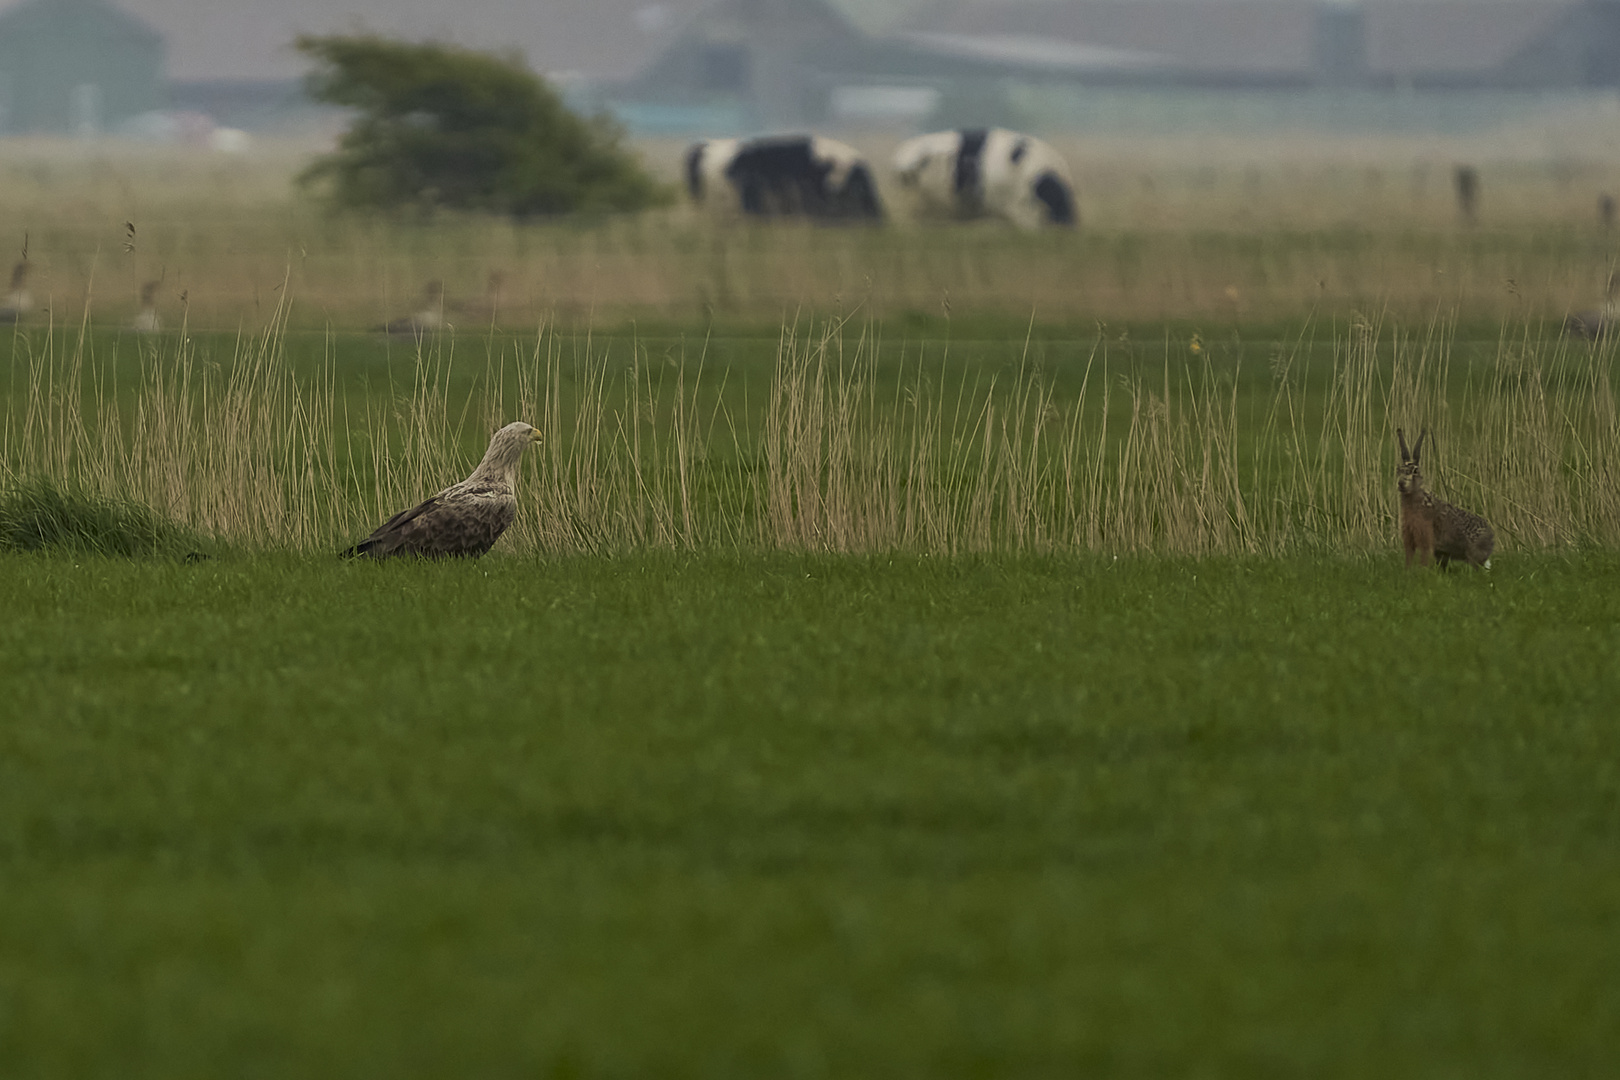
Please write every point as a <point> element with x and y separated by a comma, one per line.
<point>709,67</point>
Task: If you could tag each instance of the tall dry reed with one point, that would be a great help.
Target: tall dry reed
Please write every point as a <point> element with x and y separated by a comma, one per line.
<point>841,455</point>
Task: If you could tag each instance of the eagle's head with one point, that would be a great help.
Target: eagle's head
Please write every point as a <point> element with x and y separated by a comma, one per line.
<point>506,448</point>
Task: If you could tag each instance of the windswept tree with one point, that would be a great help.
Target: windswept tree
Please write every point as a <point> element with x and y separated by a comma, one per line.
<point>440,126</point>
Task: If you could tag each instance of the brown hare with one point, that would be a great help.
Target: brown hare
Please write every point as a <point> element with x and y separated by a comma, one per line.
<point>1431,528</point>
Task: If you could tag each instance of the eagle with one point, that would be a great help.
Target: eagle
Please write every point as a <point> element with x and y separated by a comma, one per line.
<point>464,519</point>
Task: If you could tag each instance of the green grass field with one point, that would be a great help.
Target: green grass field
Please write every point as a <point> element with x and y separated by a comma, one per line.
<point>849,707</point>
<point>806,816</point>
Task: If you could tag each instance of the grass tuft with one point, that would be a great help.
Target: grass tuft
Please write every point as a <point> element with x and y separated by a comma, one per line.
<point>42,513</point>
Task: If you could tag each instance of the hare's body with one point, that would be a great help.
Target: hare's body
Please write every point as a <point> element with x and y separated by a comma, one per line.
<point>1431,528</point>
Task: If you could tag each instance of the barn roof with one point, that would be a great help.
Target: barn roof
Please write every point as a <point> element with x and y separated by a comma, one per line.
<point>1042,53</point>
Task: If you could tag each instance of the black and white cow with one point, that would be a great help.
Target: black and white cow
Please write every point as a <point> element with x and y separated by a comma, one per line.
<point>987,172</point>
<point>783,176</point>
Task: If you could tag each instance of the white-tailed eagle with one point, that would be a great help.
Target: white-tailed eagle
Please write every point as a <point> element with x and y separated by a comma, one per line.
<point>464,519</point>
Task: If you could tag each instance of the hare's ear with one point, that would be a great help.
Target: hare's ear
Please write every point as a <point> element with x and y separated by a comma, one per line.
<point>1400,437</point>
<point>1417,451</point>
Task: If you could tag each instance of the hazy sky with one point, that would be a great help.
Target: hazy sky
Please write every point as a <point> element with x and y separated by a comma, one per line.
<point>248,39</point>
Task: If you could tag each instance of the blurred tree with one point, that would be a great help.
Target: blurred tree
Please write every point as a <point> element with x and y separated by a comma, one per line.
<point>440,126</point>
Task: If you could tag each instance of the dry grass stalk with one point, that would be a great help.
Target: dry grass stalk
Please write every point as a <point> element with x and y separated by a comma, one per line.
<point>645,453</point>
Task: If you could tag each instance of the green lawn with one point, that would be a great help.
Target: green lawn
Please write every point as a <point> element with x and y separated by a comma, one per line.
<point>781,816</point>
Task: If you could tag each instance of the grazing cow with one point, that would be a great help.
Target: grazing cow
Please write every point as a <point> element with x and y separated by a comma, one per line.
<point>786,176</point>
<point>991,172</point>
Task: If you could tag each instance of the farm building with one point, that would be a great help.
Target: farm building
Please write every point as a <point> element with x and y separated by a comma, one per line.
<point>772,55</point>
<point>790,62</point>
<point>793,62</point>
<point>76,66</point>
<point>717,66</point>
<point>1440,44</point>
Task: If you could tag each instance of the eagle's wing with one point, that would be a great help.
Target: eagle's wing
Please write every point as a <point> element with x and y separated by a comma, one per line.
<point>386,539</point>
<point>461,520</point>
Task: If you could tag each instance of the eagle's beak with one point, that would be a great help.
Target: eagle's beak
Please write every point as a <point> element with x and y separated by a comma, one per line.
<point>535,436</point>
